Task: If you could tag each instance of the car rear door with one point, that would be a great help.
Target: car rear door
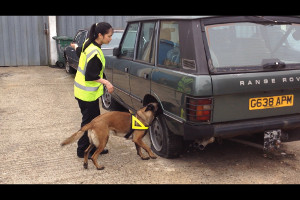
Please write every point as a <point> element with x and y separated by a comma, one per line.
<point>140,70</point>
<point>255,95</point>
<point>255,70</point>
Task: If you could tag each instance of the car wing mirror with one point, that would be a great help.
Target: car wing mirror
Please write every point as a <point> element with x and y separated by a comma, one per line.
<point>116,51</point>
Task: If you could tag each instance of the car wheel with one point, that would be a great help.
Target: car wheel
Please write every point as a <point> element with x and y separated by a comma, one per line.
<point>108,102</point>
<point>69,69</point>
<point>163,142</point>
<point>59,64</point>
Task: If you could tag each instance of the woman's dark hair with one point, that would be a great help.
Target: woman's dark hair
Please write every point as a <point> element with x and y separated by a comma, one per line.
<point>102,27</point>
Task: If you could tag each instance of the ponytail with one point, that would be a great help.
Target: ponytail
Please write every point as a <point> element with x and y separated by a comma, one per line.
<point>92,35</point>
<point>102,27</point>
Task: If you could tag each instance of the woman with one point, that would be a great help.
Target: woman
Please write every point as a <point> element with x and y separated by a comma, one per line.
<point>88,85</point>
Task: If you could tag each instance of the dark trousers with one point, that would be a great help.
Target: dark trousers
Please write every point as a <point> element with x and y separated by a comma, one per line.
<point>89,111</point>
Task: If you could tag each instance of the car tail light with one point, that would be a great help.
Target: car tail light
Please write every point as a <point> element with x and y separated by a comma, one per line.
<point>198,110</point>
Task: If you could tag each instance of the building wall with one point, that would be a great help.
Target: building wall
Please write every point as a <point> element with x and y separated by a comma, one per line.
<point>68,25</point>
<point>25,40</point>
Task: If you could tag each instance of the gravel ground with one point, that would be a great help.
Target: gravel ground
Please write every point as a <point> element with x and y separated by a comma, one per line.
<point>38,111</point>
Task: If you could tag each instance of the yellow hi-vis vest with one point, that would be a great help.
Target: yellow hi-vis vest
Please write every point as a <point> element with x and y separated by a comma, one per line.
<point>88,90</point>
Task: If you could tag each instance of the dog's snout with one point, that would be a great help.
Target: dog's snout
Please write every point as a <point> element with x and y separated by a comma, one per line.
<point>155,106</point>
<point>151,107</point>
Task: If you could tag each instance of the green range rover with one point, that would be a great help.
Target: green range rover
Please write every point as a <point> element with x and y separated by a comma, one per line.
<point>214,77</point>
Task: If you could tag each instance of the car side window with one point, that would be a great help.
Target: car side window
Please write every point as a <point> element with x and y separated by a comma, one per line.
<point>80,38</point>
<point>144,51</point>
<point>128,43</point>
<point>168,49</point>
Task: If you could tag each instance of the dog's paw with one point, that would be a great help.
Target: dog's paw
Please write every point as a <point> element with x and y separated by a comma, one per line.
<point>100,168</point>
<point>153,157</point>
<point>145,158</point>
<point>85,165</point>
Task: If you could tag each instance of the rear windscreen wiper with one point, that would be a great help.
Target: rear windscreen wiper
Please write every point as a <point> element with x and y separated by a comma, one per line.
<point>268,21</point>
<point>272,64</point>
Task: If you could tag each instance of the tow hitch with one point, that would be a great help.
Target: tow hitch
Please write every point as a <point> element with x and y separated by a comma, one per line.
<point>272,140</point>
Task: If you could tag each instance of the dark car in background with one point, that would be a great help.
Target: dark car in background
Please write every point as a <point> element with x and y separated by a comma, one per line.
<point>72,59</point>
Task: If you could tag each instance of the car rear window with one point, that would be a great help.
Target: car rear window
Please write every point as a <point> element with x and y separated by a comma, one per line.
<point>247,46</point>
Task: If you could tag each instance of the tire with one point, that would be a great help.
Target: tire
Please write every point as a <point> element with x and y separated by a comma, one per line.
<point>59,64</point>
<point>108,102</point>
<point>163,142</point>
<point>69,69</point>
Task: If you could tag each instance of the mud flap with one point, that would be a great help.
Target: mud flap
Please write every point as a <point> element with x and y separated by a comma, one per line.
<point>272,140</point>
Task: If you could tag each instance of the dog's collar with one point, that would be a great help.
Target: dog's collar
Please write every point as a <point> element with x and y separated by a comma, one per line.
<point>134,127</point>
<point>140,125</point>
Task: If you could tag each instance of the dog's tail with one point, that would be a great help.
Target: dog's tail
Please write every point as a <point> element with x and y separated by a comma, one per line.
<point>76,135</point>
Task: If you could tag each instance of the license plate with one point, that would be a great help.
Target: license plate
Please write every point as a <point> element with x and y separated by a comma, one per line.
<point>271,102</point>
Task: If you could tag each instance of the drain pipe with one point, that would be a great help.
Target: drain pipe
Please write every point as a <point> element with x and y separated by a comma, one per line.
<point>52,43</point>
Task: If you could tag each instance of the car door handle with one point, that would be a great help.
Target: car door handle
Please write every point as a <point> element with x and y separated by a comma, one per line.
<point>126,69</point>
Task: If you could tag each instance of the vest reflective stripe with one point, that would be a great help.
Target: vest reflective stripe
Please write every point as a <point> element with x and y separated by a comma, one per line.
<point>88,90</point>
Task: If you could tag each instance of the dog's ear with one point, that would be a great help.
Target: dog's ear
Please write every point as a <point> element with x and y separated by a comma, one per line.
<point>150,107</point>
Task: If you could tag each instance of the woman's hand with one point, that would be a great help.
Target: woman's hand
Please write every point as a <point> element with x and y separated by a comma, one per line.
<point>108,85</point>
<point>73,45</point>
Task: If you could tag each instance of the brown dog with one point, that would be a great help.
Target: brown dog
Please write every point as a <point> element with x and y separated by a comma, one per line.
<point>120,123</point>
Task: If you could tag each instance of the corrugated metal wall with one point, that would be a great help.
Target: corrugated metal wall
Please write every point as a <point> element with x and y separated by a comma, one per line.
<point>23,41</point>
<point>68,25</point>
